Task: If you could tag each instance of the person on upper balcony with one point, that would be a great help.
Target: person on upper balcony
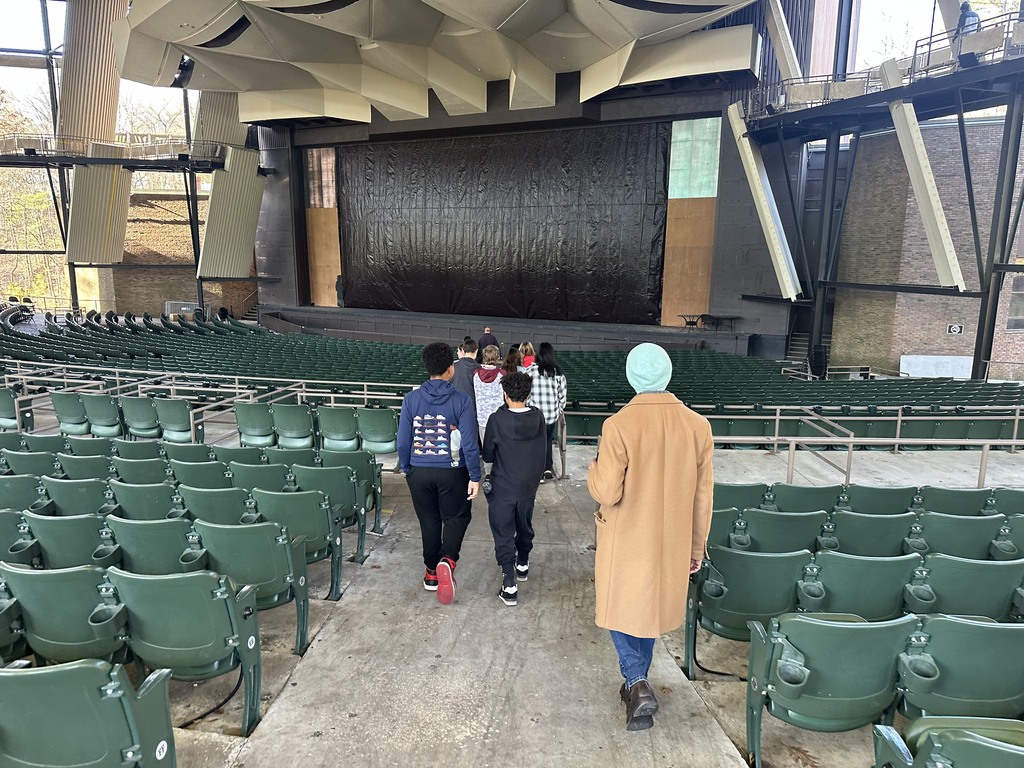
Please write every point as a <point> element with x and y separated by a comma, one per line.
<point>968,22</point>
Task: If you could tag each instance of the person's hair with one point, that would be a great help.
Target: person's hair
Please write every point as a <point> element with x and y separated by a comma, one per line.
<point>546,362</point>
<point>469,347</point>
<point>526,348</point>
<point>517,386</point>
<point>467,338</point>
<point>513,358</point>
<point>437,358</point>
<point>491,355</point>
<point>487,329</point>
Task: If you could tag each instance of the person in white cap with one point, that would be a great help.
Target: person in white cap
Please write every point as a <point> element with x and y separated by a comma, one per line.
<point>654,484</point>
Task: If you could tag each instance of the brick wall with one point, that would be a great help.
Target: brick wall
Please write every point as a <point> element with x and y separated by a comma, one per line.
<point>884,242</point>
<point>158,233</point>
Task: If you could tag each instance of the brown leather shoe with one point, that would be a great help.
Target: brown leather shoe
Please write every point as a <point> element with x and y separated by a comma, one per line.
<point>641,708</point>
<point>624,694</point>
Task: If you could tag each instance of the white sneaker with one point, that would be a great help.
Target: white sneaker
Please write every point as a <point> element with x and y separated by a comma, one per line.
<point>509,595</point>
<point>522,571</point>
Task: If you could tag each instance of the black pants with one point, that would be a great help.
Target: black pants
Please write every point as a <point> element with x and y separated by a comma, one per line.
<point>549,457</point>
<point>444,512</point>
<point>512,526</point>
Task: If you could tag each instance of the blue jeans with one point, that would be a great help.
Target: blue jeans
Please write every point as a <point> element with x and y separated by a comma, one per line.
<point>634,656</point>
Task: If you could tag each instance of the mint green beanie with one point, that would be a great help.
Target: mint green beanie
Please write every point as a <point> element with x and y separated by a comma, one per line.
<point>648,368</point>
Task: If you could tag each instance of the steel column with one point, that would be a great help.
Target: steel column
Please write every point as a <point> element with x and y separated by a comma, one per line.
<point>828,204</point>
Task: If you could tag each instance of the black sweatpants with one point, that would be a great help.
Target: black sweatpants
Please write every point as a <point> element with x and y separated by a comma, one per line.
<point>444,512</point>
<point>512,526</point>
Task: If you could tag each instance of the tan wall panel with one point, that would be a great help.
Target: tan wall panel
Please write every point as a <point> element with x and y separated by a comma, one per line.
<point>324,244</point>
<point>689,242</point>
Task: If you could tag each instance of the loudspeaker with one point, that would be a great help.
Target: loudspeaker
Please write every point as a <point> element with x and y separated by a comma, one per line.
<point>337,288</point>
<point>818,360</point>
<point>969,59</point>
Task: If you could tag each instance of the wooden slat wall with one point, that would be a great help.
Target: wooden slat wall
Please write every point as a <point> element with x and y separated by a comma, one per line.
<point>234,211</point>
<point>689,243</point>
<point>324,247</point>
<point>99,209</point>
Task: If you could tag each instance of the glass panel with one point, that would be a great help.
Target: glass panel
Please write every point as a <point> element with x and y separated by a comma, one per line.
<point>693,170</point>
<point>1015,321</point>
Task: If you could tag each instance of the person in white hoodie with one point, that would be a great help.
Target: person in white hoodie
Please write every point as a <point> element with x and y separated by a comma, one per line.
<point>487,386</point>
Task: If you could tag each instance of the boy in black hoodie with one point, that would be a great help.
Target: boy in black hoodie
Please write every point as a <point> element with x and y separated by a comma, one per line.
<point>514,442</point>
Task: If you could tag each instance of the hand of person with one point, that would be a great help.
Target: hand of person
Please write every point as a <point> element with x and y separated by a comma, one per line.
<point>694,565</point>
<point>592,465</point>
<point>473,490</point>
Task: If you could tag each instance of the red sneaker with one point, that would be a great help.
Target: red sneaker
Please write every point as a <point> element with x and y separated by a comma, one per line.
<point>430,580</point>
<point>446,581</point>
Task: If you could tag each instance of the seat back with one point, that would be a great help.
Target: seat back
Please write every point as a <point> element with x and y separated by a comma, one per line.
<point>876,500</point>
<point>55,607</point>
<point>257,554</point>
<point>721,526</point>
<point>19,492</point>
<point>151,546</point>
<point>813,686</point>
<point>140,416</point>
<point>244,454</point>
<point>70,413</point>
<point>145,501</point>
<point>944,672</point>
<point>978,538</point>
<point>869,587</point>
<point>136,449</point>
<point>201,474</point>
<point>957,501</point>
<point>740,587</point>
<point>738,495</point>
<point>89,446</point>
<point>77,497</point>
<point>255,424</point>
<point>362,463</point>
<point>84,467</point>
<point>954,585</point>
<point>303,513</point>
<point>337,483</point>
<point>175,417</point>
<point>225,506</point>
<point>142,471</point>
<point>803,498</point>
<point>339,429</point>
<point>271,477</point>
<point>196,625</point>
<point>38,463</point>
<point>190,452</point>
<point>104,414</point>
<point>768,531</point>
<point>290,456</point>
<point>11,440</point>
<point>872,535</point>
<point>47,443</point>
<point>378,430</point>
<point>65,542</point>
<point>102,717</point>
<point>1010,501</point>
<point>293,425</point>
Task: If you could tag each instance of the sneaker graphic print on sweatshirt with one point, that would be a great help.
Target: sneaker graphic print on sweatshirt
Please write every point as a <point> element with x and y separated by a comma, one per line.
<point>430,436</point>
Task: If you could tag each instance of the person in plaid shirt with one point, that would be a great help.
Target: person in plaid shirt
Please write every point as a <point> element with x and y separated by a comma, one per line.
<point>548,394</point>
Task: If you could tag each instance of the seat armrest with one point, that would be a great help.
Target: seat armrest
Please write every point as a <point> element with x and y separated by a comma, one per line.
<point>10,614</point>
<point>890,749</point>
<point>918,671</point>
<point>107,621</point>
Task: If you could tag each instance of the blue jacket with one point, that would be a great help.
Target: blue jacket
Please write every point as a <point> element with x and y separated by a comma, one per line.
<point>430,415</point>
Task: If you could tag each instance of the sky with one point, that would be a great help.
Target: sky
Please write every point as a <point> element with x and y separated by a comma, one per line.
<point>887,27</point>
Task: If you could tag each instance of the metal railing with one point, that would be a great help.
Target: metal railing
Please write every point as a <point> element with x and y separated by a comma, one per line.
<point>134,146</point>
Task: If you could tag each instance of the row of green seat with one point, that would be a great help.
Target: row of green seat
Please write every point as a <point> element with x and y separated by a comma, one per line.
<point>198,625</point>
<point>981,537</point>
<point>869,499</point>
<point>956,742</point>
<point>261,425</point>
<point>839,672</point>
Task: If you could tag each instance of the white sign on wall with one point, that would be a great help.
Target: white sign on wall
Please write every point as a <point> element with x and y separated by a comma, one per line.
<point>955,329</point>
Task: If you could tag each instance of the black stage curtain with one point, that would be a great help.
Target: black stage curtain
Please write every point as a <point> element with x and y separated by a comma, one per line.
<point>554,225</point>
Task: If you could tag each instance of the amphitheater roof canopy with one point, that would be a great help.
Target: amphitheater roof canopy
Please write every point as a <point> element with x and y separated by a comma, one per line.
<point>340,58</point>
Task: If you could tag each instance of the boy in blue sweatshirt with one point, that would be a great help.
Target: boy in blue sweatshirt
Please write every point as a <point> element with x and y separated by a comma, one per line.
<point>442,468</point>
<point>515,441</point>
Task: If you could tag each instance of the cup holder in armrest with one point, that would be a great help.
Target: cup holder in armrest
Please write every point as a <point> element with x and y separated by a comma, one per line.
<point>827,542</point>
<point>1003,549</point>
<point>108,620</point>
<point>918,671</point>
<point>915,546</point>
<point>790,678</point>
<point>193,560</point>
<point>22,552</point>
<point>250,518</point>
<point>42,507</point>
<point>712,593</point>
<point>810,595</point>
<point>918,598</point>
<point>739,541</point>
<point>106,555</point>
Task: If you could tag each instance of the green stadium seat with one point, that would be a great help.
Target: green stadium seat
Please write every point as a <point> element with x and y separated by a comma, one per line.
<point>368,477</point>
<point>785,497</point>
<point>877,500</point>
<point>11,441</point>
<point>64,542</point>
<point>70,413</point>
<point>822,673</point>
<point>224,506</point>
<point>89,446</point>
<point>871,535</point>
<point>105,721</point>
<point>10,419</point>
<point>195,624</point>
<point>978,538</point>
<point>1010,501</point>
<point>289,456</point>
<point>958,501</point>
<point>104,415</point>
<point>956,742</point>
<point>175,417</point>
<point>736,587</point>
<point>307,514</point>
<point>267,556</point>
<point>201,474</point>
<point>378,430</point>
<point>142,471</point>
<point>136,449</point>
<point>342,490</point>
<point>188,452</point>
<point>56,612</point>
<point>944,670</point>
<point>869,587</point>
<point>244,454</point>
<point>339,429</point>
<point>44,443</point>
<point>84,467</point>
<point>146,501</point>
<point>954,585</point>
<point>761,530</point>
<point>293,425</point>
<point>255,425</point>
<point>739,495</point>
<point>270,477</point>
<point>75,497</point>
<point>19,492</point>
<point>140,416</point>
<point>153,546</point>
<point>721,526</point>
